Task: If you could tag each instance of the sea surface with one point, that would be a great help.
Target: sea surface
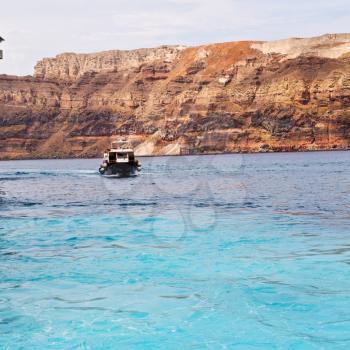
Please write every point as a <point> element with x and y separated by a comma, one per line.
<point>207,252</point>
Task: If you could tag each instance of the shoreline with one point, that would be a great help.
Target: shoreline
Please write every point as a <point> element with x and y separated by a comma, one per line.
<point>180,155</point>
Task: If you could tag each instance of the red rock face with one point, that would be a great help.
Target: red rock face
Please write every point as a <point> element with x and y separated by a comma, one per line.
<point>232,97</point>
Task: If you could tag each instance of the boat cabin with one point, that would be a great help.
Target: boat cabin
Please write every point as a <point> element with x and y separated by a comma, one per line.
<point>119,156</point>
<point>119,153</point>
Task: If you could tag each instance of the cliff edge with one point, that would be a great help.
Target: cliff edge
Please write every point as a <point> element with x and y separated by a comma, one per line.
<point>284,95</point>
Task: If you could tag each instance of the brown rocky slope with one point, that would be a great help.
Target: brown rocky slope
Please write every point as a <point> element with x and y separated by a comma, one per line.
<point>285,95</point>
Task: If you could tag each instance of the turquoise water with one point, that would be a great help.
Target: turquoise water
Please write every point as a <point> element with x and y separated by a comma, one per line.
<point>212,252</point>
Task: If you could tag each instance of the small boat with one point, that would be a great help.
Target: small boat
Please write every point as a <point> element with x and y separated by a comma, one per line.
<point>119,161</point>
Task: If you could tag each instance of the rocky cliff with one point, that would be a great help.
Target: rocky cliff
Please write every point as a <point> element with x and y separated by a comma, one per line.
<point>286,95</point>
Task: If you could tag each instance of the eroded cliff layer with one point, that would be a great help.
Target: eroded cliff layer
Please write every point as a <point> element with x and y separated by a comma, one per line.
<point>233,97</point>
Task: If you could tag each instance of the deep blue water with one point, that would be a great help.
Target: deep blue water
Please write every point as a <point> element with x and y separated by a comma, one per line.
<point>211,252</point>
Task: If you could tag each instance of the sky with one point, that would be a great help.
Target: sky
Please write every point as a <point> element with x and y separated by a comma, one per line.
<point>34,29</point>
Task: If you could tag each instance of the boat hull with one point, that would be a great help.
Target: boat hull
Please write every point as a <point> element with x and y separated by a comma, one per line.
<point>119,170</point>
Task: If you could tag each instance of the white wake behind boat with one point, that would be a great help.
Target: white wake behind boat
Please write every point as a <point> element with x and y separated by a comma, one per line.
<point>119,161</point>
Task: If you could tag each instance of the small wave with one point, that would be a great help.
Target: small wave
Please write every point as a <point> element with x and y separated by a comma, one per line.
<point>137,204</point>
<point>15,176</point>
<point>6,202</point>
<point>10,178</point>
<point>15,173</point>
<point>6,321</point>
<point>27,174</point>
<point>18,173</point>
<point>30,204</point>
<point>178,297</point>
<point>78,301</point>
<point>131,313</point>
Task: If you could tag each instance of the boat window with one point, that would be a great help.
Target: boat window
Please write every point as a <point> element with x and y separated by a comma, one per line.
<point>122,155</point>
<point>112,156</point>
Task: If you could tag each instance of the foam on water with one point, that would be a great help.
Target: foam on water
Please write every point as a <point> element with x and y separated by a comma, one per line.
<point>212,252</point>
